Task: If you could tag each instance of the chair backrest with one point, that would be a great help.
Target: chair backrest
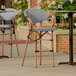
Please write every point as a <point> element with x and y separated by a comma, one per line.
<point>9,14</point>
<point>36,15</point>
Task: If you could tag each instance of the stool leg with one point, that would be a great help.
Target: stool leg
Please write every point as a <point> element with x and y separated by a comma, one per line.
<point>16,44</point>
<point>40,51</point>
<point>11,41</point>
<point>3,40</point>
<point>2,44</point>
<point>35,50</point>
<point>35,54</point>
<point>53,51</point>
<point>25,52</point>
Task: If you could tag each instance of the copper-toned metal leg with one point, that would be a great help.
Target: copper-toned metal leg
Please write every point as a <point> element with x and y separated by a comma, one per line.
<point>3,39</point>
<point>40,52</point>
<point>25,52</point>
<point>53,59</point>
<point>11,41</point>
<point>16,44</point>
<point>35,50</point>
<point>40,45</point>
<point>52,52</point>
<point>3,45</point>
<point>35,54</point>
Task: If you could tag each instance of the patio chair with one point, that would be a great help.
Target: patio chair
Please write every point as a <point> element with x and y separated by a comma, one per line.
<point>10,14</point>
<point>33,16</point>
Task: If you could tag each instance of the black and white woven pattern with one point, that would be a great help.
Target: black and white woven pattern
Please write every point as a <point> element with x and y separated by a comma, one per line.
<point>36,15</point>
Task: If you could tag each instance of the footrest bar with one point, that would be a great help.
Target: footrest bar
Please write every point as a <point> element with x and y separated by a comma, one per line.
<point>9,43</point>
<point>51,39</point>
<point>51,50</point>
<point>36,51</point>
<point>45,51</point>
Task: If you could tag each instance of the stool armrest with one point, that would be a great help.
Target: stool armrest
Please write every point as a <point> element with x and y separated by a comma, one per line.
<point>53,21</point>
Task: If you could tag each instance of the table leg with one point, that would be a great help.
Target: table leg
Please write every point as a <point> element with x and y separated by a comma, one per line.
<point>71,39</point>
<point>70,42</point>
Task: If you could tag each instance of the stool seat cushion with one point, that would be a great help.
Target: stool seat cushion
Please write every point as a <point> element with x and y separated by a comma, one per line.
<point>8,26</point>
<point>43,29</point>
<point>10,14</point>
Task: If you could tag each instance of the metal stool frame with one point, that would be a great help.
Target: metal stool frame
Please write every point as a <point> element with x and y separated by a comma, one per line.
<point>11,30</point>
<point>40,34</point>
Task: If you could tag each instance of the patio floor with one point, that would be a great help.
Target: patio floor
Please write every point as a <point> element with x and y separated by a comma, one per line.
<point>12,66</point>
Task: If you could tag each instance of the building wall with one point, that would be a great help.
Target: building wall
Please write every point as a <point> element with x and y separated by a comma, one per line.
<point>46,1</point>
<point>62,44</point>
<point>62,41</point>
<point>32,3</point>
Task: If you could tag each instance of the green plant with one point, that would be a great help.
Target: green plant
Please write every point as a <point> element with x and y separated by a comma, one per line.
<point>64,27</point>
<point>45,7</point>
<point>51,6</point>
<point>42,0</point>
<point>66,5</point>
<point>21,5</point>
<point>61,27</point>
<point>69,6</point>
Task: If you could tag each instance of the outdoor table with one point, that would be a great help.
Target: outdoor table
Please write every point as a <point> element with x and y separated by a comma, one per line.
<point>5,12</point>
<point>71,62</point>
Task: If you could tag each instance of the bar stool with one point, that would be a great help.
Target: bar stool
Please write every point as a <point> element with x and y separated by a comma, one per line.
<point>10,14</point>
<point>33,16</point>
